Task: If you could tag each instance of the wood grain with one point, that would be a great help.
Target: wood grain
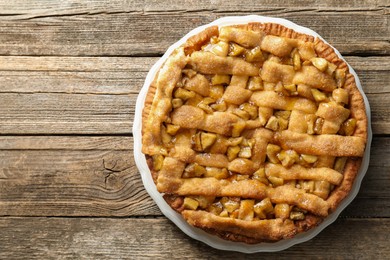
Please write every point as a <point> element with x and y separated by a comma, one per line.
<point>43,113</point>
<point>158,238</point>
<point>96,95</point>
<point>44,7</point>
<point>97,176</point>
<point>71,176</point>
<point>70,72</point>
<point>126,75</point>
<point>136,31</point>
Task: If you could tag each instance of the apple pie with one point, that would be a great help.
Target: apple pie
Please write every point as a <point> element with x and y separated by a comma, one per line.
<point>254,132</point>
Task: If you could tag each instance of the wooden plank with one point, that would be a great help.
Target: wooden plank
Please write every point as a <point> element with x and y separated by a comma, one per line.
<point>138,33</point>
<point>126,75</point>
<point>46,95</point>
<point>42,7</point>
<point>89,238</point>
<point>379,113</point>
<point>81,143</point>
<point>43,113</point>
<point>81,75</point>
<point>97,176</point>
<point>373,73</point>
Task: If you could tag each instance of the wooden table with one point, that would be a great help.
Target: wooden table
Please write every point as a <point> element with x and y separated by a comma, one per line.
<point>70,72</point>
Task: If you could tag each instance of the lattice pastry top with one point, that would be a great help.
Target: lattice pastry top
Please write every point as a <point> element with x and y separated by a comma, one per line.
<point>254,132</point>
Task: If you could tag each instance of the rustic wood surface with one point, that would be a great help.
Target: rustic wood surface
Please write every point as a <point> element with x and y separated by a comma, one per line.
<point>70,72</point>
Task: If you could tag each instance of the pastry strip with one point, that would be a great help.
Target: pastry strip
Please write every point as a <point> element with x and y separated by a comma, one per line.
<point>297,122</point>
<point>245,38</point>
<point>246,189</point>
<point>275,72</point>
<point>236,93</point>
<point>262,137</point>
<point>334,116</point>
<point>333,145</point>
<point>169,176</point>
<point>169,75</point>
<point>270,230</point>
<point>297,172</point>
<point>298,197</point>
<point>194,117</point>
<point>311,76</point>
<point>208,63</point>
<point>277,45</point>
<point>212,160</point>
<point>271,99</point>
<point>220,188</point>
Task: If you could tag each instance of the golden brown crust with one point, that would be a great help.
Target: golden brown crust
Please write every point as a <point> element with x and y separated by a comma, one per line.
<point>334,145</point>
<point>194,43</point>
<point>358,111</point>
<point>176,188</point>
<point>311,221</point>
<point>351,170</point>
<point>148,103</point>
<point>259,230</point>
<point>356,105</point>
<point>165,82</point>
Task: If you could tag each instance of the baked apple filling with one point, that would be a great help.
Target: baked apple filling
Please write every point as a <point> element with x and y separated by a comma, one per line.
<point>254,133</point>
